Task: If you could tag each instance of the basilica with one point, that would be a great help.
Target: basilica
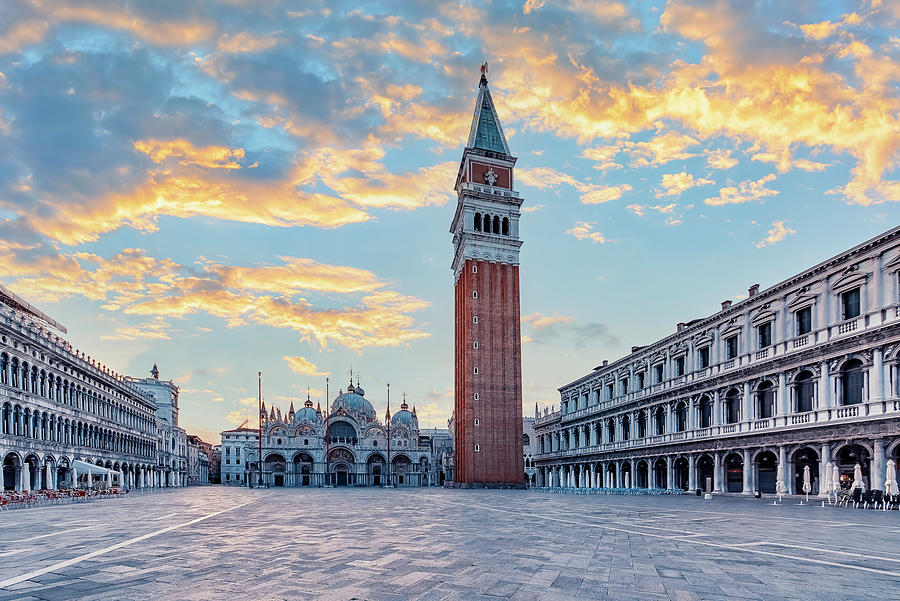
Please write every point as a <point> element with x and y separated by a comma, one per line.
<point>345,446</point>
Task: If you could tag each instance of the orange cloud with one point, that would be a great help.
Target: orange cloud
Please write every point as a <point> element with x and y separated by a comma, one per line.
<point>675,183</point>
<point>301,365</point>
<point>271,295</point>
<point>162,32</point>
<point>22,33</point>
<point>583,230</point>
<point>746,191</point>
<point>185,153</point>
<point>545,177</point>
<point>778,233</point>
<point>245,42</point>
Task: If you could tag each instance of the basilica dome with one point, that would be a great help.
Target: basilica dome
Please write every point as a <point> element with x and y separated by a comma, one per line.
<point>308,414</point>
<point>405,418</point>
<point>354,403</point>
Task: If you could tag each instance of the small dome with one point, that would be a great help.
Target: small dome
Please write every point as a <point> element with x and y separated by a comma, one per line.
<point>405,418</point>
<point>308,414</point>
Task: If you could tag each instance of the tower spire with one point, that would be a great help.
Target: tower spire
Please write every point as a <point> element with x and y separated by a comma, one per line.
<point>486,132</point>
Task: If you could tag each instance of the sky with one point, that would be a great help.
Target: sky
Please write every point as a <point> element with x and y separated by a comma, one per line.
<point>228,187</point>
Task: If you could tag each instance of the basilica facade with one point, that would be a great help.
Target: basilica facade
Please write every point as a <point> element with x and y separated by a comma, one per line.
<point>803,374</point>
<point>347,445</point>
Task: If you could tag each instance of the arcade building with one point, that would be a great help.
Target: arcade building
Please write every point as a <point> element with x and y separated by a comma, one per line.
<point>802,374</point>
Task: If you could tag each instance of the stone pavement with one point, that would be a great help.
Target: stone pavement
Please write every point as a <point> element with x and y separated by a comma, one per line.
<point>435,544</point>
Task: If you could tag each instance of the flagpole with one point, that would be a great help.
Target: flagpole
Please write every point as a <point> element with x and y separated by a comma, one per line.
<point>325,474</point>
<point>259,403</point>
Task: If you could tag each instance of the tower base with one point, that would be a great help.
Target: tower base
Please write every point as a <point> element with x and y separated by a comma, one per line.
<point>491,485</point>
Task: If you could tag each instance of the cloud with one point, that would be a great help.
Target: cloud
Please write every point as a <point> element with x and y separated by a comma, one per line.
<point>156,329</point>
<point>675,183</point>
<point>21,34</point>
<point>583,230</point>
<point>720,159</point>
<point>546,328</point>
<point>637,209</point>
<point>546,177</point>
<point>746,191</point>
<point>275,295</point>
<point>246,42</point>
<point>301,365</point>
<point>778,233</point>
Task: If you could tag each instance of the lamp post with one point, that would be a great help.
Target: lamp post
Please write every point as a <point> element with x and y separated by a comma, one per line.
<point>259,459</point>
<point>325,473</point>
<point>387,419</point>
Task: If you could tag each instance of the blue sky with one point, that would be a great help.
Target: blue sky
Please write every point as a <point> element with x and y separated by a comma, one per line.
<point>227,187</point>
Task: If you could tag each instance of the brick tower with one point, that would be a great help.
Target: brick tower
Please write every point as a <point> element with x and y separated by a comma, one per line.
<point>488,382</point>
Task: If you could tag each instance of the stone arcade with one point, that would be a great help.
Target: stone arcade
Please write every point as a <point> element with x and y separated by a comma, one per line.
<point>801,374</point>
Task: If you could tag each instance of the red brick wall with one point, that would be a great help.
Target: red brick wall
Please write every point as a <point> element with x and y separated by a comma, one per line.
<point>503,175</point>
<point>499,379</point>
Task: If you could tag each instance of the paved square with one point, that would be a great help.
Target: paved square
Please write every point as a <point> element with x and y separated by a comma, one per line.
<point>432,544</point>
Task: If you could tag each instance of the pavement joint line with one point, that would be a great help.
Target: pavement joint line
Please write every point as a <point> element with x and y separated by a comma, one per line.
<point>162,517</point>
<point>711,544</point>
<point>70,562</point>
<point>25,540</point>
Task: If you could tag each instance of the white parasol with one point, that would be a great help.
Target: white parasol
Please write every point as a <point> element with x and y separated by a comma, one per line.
<point>807,486</point>
<point>890,483</point>
<point>857,479</point>
<point>780,487</point>
<point>828,485</point>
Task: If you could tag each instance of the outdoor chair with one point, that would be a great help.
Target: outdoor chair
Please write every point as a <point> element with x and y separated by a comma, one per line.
<point>864,499</point>
<point>843,499</point>
<point>856,497</point>
<point>876,498</point>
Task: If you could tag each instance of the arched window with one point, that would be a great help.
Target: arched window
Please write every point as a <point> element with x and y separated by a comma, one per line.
<point>659,419</point>
<point>732,407</point>
<point>486,223</point>
<point>765,400</point>
<point>610,430</point>
<point>804,391</point>
<point>704,411</point>
<point>477,222</point>
<point>626,428</point>
<point>851,382</point>
<point>526,441</point>
<point>680,417</point>
<point>505,230</point>
<point>4,368</point>
<point>642,425</point>
<point>496,224</point>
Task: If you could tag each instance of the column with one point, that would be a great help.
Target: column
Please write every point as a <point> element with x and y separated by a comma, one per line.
<point>670,477</point>
<point>782,407</point>
<point>717,472</point>
<point>26,477</point>
<point>747,408</point>
<point>825,396</point>
<point>692,477</point>
<point>48,475</point>
<point>593,477</point>
<point>747,468</point>
<point>717,408</point>
<point>782,461</point>
<point>877,378</point>
<point>877,466</point>
<point>823,459</point>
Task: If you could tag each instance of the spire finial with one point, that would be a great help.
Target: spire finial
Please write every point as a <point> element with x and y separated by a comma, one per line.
<point>484,70</point>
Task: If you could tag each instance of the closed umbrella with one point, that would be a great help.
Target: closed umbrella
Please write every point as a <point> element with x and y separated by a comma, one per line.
<point>74,477</point>
<point>890,483</point>
<point>828,487</point>
<point>780,487</point>
<point>835,481</point>
<point>858,479</point>
<point>806,483</point>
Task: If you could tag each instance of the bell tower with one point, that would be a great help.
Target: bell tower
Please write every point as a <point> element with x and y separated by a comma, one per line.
<point>488,378</point>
